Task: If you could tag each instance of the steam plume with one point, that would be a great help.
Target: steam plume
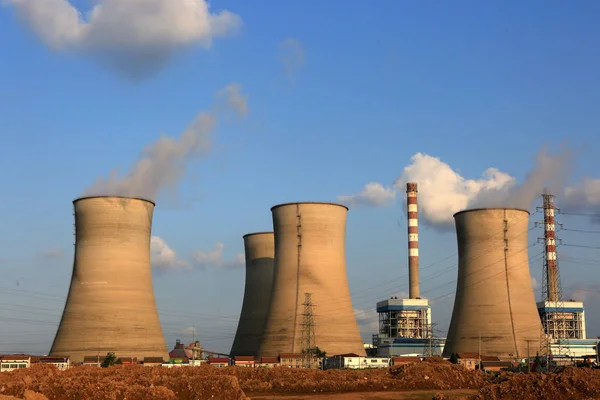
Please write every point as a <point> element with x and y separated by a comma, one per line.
<point>162,164</point>
<point>443,191</point>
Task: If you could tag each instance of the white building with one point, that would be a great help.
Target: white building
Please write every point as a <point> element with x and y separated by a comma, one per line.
<point>14,362</point>
<point>354,361</point>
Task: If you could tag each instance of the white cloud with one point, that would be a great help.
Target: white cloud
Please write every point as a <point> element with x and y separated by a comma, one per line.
<point>190,330</point>
<point>134,37</point>
<point>373,194</point>
<point>214,258</point>
<point>444,191</point>
<point>368,322</point>
<point>52,254</point>
<point>163,257</point>
<point>291,55</point>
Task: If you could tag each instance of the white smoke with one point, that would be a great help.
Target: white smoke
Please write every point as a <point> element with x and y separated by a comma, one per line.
<point>534,283</point>
<point>163,163</point>
<point>443,191</point>
<point>134,37</point>
<point>373,194</point>
<point>583,197</point>
<point>163,257</point>
<point>214,258</point>
<point>291,55</point>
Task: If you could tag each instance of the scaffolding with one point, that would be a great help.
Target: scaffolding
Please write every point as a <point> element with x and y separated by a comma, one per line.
<point>563,324</point>
<point>405,323</point>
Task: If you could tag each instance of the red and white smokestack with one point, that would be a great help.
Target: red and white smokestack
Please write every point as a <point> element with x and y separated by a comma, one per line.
<point>413,240</point>
<point>550,239</point>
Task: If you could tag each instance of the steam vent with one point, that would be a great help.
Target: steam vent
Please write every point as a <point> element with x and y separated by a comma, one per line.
<point>260,264</point>
<point>494,308</point>
<point>310,258</point>
<point>110,306</point>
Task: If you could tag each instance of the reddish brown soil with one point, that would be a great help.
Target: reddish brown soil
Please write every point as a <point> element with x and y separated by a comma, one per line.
<point>426,380</point>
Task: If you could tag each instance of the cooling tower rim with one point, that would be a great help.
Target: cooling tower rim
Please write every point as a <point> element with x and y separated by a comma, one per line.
<point>309,202</point>
<point>491,208</point>
<point>113,197</point>
<point>257,233</point>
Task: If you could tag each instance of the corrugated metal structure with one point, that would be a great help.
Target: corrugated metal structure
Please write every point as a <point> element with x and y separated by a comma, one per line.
<point>494,312</point>
<point>260,264</point>
<point>111,306</point>
<point>310,258</point>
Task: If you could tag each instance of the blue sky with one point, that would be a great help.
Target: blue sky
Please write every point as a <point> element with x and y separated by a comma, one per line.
<point>476,85</point>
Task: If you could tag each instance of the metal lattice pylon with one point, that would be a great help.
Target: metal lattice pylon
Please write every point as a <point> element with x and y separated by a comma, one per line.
<point>553,324</point>
<point>432,343</point>
<point>308,332</point>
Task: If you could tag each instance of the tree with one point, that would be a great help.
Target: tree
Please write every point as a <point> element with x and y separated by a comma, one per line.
<point>319,353</point>
<point>110,360</point>
<point>454,358</point>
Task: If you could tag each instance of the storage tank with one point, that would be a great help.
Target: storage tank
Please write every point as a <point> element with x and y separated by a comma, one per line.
<point>494,307</point>
<point>110,306</point>
<point>260,264</point>
<point>310,258</point>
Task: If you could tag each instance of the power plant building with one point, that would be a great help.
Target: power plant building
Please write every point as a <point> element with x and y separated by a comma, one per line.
<point>260,264</point>
<point>563,321</point>
<point>110,306</point>
<point>494,312</point>
<point>405,324</point>
<point>310,259</point>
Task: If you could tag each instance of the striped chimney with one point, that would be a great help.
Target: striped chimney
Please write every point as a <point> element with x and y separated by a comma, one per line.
<point>413,240</point>
<point>550,239</point>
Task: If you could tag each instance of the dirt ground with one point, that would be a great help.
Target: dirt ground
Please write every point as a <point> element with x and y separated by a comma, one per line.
<point>439,380</point>
<point>403,395</point>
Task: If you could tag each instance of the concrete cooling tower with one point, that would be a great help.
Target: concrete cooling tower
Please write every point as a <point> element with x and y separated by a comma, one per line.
<point>110,306</point>
<point>494,308</point>
<point>310,258</point>
<point>260,264</point>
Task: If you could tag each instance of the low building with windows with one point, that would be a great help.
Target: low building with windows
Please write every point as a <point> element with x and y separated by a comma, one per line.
<point>153,361</point>
<point>62,363</point>
<point>244,361</point>
<point>471,360</point>
<point>93,361</point>
<point>13,362</point>
<point>268,362</point>
<point>291,360</point>
<point>219,362</point>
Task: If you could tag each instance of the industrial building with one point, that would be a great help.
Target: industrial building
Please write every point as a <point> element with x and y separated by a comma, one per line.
<point>310,304</point>
<point>564,335</point>
<point>494,309</point>
<point>260,263</point>
<point>405,326</point>
<point>110,306</point>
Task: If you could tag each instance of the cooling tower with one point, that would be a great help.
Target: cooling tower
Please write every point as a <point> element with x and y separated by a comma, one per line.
<point>110,306</point>
<point>260,264</point>
<point>494,308</point>
<point>310,258</point>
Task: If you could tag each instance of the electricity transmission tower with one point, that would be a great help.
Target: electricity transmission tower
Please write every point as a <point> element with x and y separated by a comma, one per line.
<point>552,313</point>
<point>308,332</point>
<point>432,343</point>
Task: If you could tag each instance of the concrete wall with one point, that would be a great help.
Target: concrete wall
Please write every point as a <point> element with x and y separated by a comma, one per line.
<point>494,296</point>
<point>310,257</point>
<point>260,264</point>
<point>110,306</point>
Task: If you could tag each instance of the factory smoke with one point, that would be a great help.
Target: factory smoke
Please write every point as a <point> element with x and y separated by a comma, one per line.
<point>162,164</point>
<point>443,191</point>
